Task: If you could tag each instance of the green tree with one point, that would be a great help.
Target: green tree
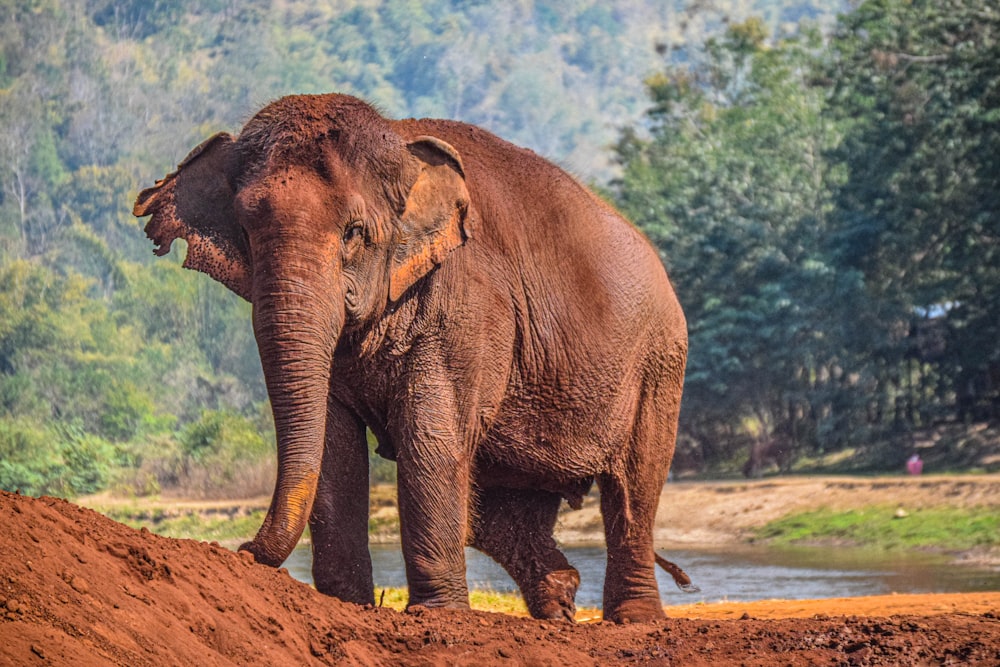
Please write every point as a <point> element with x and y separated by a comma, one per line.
<point>108,352</point>
<point>731,185</point>
<point>918,89</point>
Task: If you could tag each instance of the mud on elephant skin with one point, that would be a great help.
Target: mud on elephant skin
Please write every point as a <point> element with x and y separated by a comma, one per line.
<point>507,336</point>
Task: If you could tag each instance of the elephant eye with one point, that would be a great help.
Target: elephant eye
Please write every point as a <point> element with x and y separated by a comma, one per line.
<point>353,231</point>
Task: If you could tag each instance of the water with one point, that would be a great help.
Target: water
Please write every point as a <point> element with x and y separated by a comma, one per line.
<point>732,573</point>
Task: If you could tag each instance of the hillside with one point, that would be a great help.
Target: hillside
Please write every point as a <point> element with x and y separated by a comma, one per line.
<point>822,190</point>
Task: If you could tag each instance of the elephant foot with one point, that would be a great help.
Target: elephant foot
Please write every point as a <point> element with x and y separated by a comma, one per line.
<point>347,591</point>
<point>553,596</point>
<point>635,610</point>
<point>418,608</point>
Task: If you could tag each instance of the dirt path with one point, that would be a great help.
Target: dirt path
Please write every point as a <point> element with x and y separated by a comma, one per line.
<point>79,589</point>
<point>875,605</point>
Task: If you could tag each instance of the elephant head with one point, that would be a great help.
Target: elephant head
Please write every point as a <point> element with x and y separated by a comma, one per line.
<point>320,215</point>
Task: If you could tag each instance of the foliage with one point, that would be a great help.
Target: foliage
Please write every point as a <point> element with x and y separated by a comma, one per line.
<point>733,188</point>
<point>221,454</point>
<point>823,190</point>
<point>917,89</point>
<point>827,208</point>
<point>38,460</point>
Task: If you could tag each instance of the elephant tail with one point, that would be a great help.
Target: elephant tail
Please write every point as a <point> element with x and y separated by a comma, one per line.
<point>680,577</point>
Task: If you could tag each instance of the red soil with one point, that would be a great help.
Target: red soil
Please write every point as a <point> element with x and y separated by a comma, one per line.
<point>79,589</point>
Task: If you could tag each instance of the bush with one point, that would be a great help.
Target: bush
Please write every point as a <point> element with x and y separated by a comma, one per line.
<point>226,454</point>
<point>87,463</point>
<point>153,465</point>
<point>380,470</point>
<point>126,411</point>
<point>26,457</point>
<point>38,460</point>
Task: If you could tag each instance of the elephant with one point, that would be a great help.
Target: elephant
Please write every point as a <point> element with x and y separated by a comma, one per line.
<point>506,335</point>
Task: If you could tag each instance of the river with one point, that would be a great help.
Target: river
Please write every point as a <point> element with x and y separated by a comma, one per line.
<point>743,573</point>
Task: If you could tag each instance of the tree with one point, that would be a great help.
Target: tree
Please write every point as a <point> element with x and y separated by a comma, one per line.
<point>830,214</point>
<point>731,185</point>
<point>918,89</point>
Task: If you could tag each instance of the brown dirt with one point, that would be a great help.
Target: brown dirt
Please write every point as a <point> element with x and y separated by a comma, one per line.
<point>79,589</point>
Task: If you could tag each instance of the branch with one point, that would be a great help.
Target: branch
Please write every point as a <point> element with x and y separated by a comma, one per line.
<point>889,59</point>
<point>921,59</point>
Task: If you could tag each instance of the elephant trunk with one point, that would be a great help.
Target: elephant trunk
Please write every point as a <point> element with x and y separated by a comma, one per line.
<point>296,330</point>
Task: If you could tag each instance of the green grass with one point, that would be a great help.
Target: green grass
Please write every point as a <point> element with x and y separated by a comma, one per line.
<point>194,527</point>
<point>191,525</point>
<point>504,603</point>
<point>879,526</point>
<point>385,525</point>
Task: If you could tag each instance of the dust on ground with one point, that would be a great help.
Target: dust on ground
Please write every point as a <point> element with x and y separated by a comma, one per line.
<point>79,589</point>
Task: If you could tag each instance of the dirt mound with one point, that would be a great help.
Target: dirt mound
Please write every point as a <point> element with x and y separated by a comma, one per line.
<point>79,589</point>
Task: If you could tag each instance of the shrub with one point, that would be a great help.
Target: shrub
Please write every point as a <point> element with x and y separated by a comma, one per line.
<point>40,460</point>
<point>380,470</point>
<point>226,454</point>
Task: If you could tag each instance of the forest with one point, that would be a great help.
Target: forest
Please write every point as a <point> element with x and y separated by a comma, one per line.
<point>822,181</point>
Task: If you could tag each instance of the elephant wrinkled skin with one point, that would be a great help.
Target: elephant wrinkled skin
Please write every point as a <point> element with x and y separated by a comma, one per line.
<point>507,336</point>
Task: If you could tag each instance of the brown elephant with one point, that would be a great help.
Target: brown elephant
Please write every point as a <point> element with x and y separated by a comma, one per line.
<point>507,336</point>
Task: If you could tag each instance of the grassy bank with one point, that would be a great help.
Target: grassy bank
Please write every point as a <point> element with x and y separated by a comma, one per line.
<point>196,525</point>
<point>887,527</point>
<point>192,525</point>
<point>944,512</point>
<point>226,521</point>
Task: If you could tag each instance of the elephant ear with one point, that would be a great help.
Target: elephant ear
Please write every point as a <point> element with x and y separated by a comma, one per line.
<point>434,220</point>
<point>196,203</point>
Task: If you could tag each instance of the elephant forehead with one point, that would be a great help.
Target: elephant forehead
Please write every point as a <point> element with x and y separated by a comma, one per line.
<point>297,192</point>
<point>296,118</point>
<point>317,130</point>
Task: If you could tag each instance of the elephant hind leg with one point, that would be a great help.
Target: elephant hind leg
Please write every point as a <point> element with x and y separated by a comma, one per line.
<point>514,527</point>
<point>630,493</point>
<point>631,593</point>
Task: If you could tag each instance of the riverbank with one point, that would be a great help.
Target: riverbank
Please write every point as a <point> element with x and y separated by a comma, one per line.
<point>704,513</point>
<point>719,513</point>
<point>690,513</point>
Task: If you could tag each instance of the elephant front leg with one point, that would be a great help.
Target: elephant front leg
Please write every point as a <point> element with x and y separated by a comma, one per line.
<point>342,565</point>
<point>433,504</point>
